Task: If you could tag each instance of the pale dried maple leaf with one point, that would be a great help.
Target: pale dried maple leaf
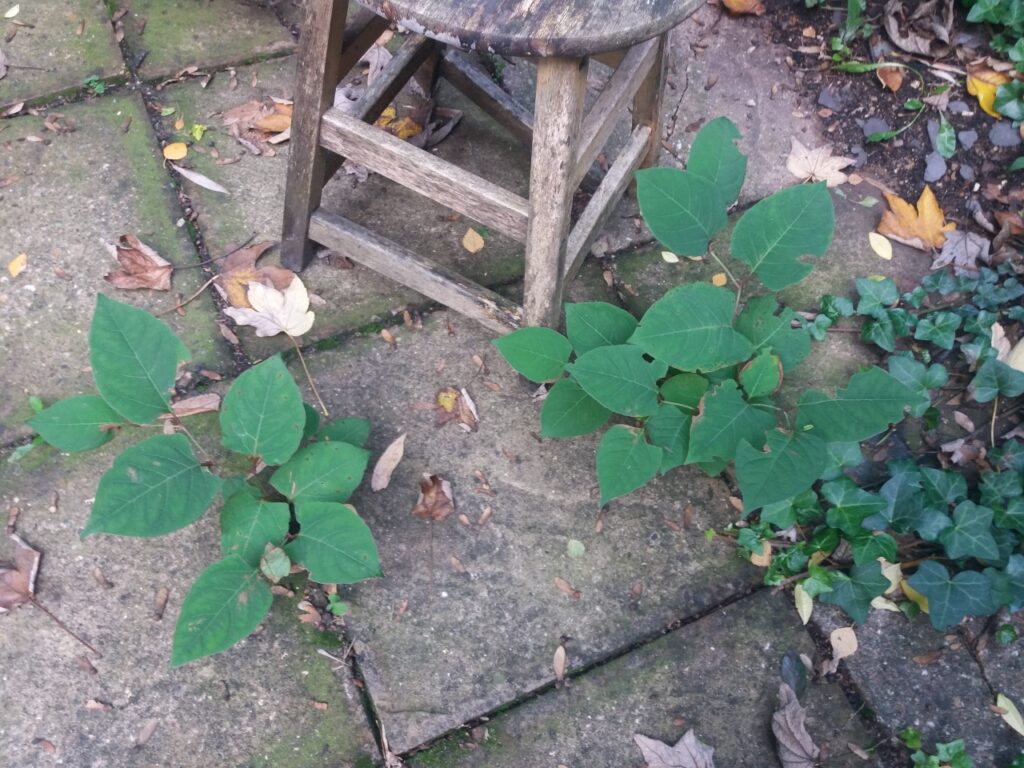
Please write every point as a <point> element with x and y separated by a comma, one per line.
<point>923,227</point>
<point>688,752</point>
<point>817,164</point>
<point>274,311</point>
<point>794,745</point>
<point>239,269</point>
<point>18,580</point>
<point>963,250</point>
<point>141,266</point>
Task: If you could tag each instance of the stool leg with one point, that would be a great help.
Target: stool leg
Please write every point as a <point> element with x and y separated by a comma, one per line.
<point>648,100</point>
<point>561,86</point>
<point>318,72</point>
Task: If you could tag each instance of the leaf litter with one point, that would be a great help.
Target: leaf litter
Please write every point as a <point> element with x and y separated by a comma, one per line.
<point>141,266</point>
<point>688,752</point>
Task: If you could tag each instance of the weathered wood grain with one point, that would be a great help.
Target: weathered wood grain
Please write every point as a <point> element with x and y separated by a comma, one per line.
<point>647,104</point>
<point>570,28</point>
<point>561,87</point>
<point>418,272</point>
<point>396,73</point>
<point>425,173</point>
<point>488,95</point>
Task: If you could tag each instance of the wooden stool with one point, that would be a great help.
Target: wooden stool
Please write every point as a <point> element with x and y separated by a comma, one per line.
<point>630,35</point>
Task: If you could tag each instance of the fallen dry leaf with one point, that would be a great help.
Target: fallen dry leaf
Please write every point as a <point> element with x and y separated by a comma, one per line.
<point>688,752</point>
<point>793,744</point>
<point>387,463</point>
<point>719,279</point>
<point>456,564</point>
<point>963,250</point>
<point>274,311</point>
<point>1010,714</point>
<point>146,732</point>
<point>558,663</point>
<point>456,405</point>
<point>309,615</point>
<point>97,706</point>
<point>176,151</point>
<point>160,602</point>
<point>921,28</point>
<point>190,406</point>
<point>890,77</point>
<point>817,164</point>
<point>141,266</point>
<point>472,241</point>
<point>197,178</point>
<point>435,501</point>
<point>880,245</point>
<point>17,265</point>
<point>18,579</point>
<point>742,7</point>
<point>764,559</point>
<point>923,227</point>
<point>275,122</point>
<point>376,58</point>
<point>982,83</point>
<point>963,420</point>
<point>239,269</point>
<point>567,589</point>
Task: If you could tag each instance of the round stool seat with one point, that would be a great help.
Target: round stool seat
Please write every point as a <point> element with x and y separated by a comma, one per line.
<point>537,27</point>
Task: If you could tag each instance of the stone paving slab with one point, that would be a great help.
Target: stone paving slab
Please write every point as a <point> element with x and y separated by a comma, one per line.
<point>66,43</point>
<point>209,34</point>
<point>250,706</point>
<point>74,192</point>
<point>718,676</point>
<point>439,643</point>
<point>943,694</point>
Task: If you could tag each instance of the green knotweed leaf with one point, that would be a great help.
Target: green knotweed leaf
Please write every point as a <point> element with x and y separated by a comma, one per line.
<point>766,330</point>
<point>684,391</point>
<point>789,466</point>
<point>134,360</point>
<point>625,462</point>
<point>249,522</point>
<point>312,423</point>
<point>683,210</point>
<point>762,375</point>
<point>262,414</point>
<point>225,604</point>
<point>597,324</point>
<point>772,237</point>
<point>724,421</point>
<point>333,544</point>
<point>715,157</point>
<point>539,354</point>
<point>153,488</point>
<point>619,378</point>
<point>971,533</point>
<point>75,424</point>
<point>996,379</point>
<point>968,593</point>
<point>690,328</point>
<point>854,592</point>
<point>870,403</point>
<point>669,429</point>
<point>569,411</point>
<point>321,472</point>
<point>350,430</point>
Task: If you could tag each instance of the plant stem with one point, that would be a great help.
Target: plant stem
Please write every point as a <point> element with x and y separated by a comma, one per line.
<point>191,298</point>
<point>992,425</point>
<point>63,626</point>
<point>725,269</point>
<point>309,376</point>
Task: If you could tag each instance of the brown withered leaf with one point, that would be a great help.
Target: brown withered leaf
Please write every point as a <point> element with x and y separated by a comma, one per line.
<point>688,752</point>
<point>435,501</point>
<point>890,77</point>
<point>558,663</point>
<point>255,124</point>
<point>793,744</point>
<point>146,732</point>
<point>921,28</point>
<point>190,406</point>
<point>141,266</point>
<point>387,463</point>
<point>456,405</point>
<point>160,602</point>
<point>18,579</point>
<point>567,589</point>
<point>239,269</point>
<point>742,7</point>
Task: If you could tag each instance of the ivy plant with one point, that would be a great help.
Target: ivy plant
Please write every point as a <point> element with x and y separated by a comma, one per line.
<point>287,509</point>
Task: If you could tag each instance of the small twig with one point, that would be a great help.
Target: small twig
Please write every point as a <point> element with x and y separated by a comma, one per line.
<point>191,298</point>
<point>309,376</point>
<point>63,626</point>
<point>992,424</point>
<point>190,436</point>
<point>215,259</point>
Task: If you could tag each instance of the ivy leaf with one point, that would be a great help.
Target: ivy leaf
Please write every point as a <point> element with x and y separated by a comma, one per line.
<point>669,429</point>
<point>333,544</point>
<point>876,295</point>
<point>248,523</point>
<point>153,488</point>
<point>597,324</point>
<point>321,472</point>
<point>262,414</point>
<point>868,546</point>
<point>773,235</point>
<point>569,411</point>
<point>951,599</point>
<point>134,359</point>
<point>539,354</point>
<point>761,376</point>
<point>683,210</point>
<point>690,328</point>
<point>851,506</point>
<point>351,430</point>
<point>625,462</point>
<point>871,401</point>
<point>971,533</point>
<point>75,424</point>
<point>854,592</point>
<point>766,330</point>
<point>996,379</point>
<point>939,328</point>
<point>684,391</point>
<point>724,421</point>
<point>943,487</point>
<point>1008,584</point>
<point>714,156</point>
<point>789,467</point>
<point>918,378</point>
<point>619,378</point>
<point>225,604</point>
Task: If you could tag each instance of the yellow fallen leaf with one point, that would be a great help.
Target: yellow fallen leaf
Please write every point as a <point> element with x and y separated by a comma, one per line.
<point>982,83</point>
<point>669,257</point>
<point>880,245</point>
<point>1010,713</point>
<point>923,228</point>
<point>914,596</point>
<point>739,7</point>
<point>472,241</point>
<point>804,603</point>
<point>447,399</point>
<point>17,265</point>
<point>179,124</point>
<point>719,279</point>
<point>405,128</point>
<point>275,123</point>
<point>386,117</point>
<point>176,151</point>
<point>893,572</point>
<point>764,559</point>
<point>884,604</point>
<point>1016,357</point>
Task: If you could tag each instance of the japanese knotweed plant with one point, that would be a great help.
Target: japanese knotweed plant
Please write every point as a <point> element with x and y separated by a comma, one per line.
<point>289,508</point>
<point>693,380</point>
